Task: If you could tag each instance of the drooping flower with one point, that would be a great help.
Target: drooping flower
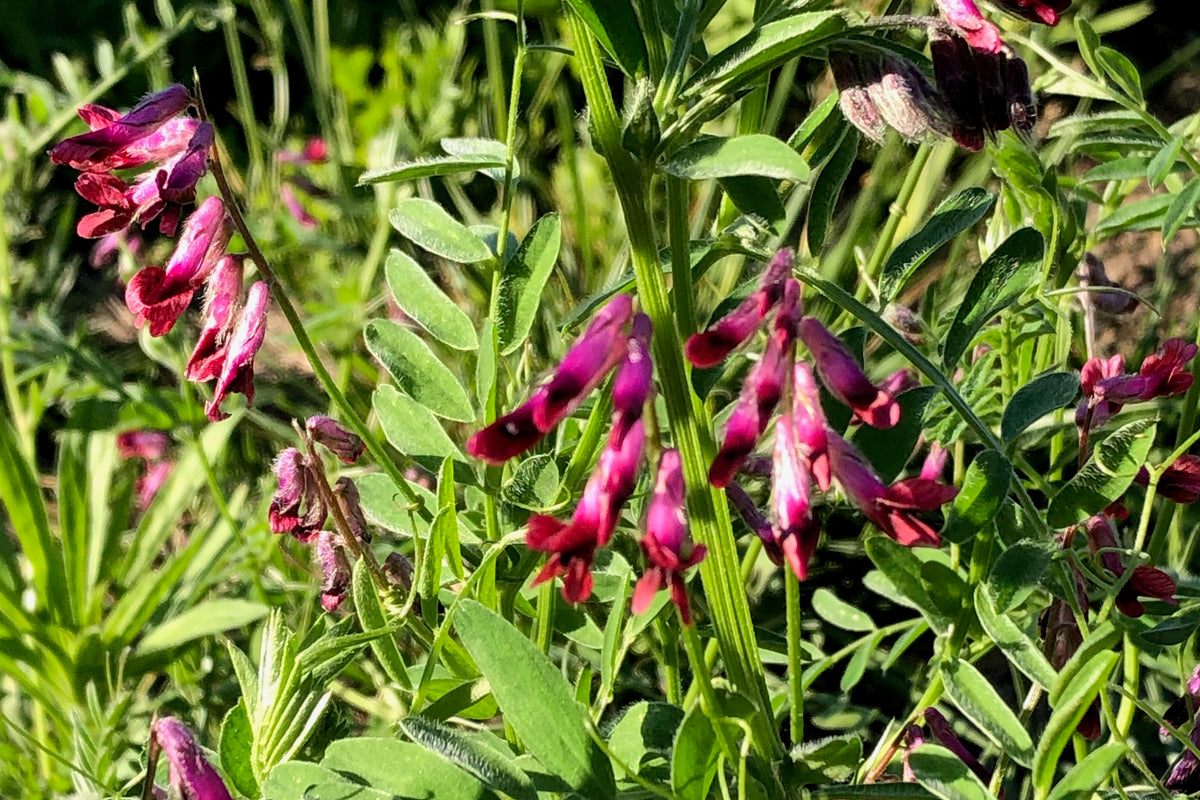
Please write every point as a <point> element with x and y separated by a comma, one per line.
<point>1179,482</point>
<point>237,371</point>
<point>935,462</point>
<point>761,392</point>
<point>1184,777</point>
<point>192,777</point>
<point>1145,581</point>
<point>112,143</point>
<point>711,347</point>
<point>875,93</point>
<point>795,531</point>
<point>159,296</point>
<point>942,731</point>
<point>983,93</point>
<point>852,77</point>
<point>666,543</point>
<point>222,293</point>
<point>150,481</point>
<point>1046,12</point>
<point>573,545</point>
<point>1092,274</point>
<point>891,508</point>
<point>976,29</point>
<point>635,377</point>
<point>844,378</point>
<point>345,494</point>
<point>297,506</point>
<point>585,365</point>
<point>336,569</point>
<point>808,420</point>
<point>347,446</point>
<point>150,445</point>
<point>1107,387</point>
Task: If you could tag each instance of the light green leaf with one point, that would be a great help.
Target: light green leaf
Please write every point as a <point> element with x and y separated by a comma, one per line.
<point>694,756</point>
<point>839,613</point>
<point>430,167</point>
<point>954,215</point>
<point>524,279</point>
<point>1164,160</point>
<point>410,427</point>
<point>401,769</point>
<point>428,226</point>
<point>1183,205</point>
<point>237,743</point>
<point>978,701</point>
<point>1122,72</point>
<point>537,702</point>
<point>945,775</point>
<point>420,298</point>
<point>418,372</point>
<point>753,154</point>
<point>1073,703</point>
<point>1016,645</point>
<point>372,618</point>
<point>293,779</point>
<point>204,619</point>
<point>1086,776</point>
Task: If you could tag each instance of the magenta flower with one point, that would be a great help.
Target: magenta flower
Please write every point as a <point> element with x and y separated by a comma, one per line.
<point>347,446</point>
<point>150,445</point>
<point>222,293</point>
<point>711,347</point>
<point>1184,777</point>
<point>336,568</point>
<point>844,378</point>
<point>808,420</point>
<point>941,730</point>
<point>1107,387</point>
<point>1144,582</point>
<point>1046,12</point>
<point>635,377</point>
<point>297,507</point>
<point>573,545</point>
<point>795,532</point>
<point>295,207</point>
<point>112,143</point>
<point>192,777</point>
<point>237,371</point>
<point>761,392</point>
<point>1164,370</point>
<point>159,296</point>
<point>150,481</point>
<point>666,543</point>
<point>978,31</point>
<point>586,364</point>
<point>891,508</point>
<point>935,462</point>
<point>1179,482</point>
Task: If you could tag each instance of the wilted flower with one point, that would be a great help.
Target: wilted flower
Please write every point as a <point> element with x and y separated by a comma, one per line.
<point>876,92</point>
<point>222,293</point>
<point>983,93</point>
<point>345,494</point>
<point>1091,273</point>
<point>852,77</point>
<point>336,568</point>
<point>666,543</point>
<point>113,141</point>
<point>585,365</point>
<point>347,446</point>
<point>192,777</point>
<point>398,570</point>
<point>1144,582</point>
<point>635,377</point>
<point>844,378</point>
<point>761,392</point>
<point>297,507</point>
<point>711,347</point>
<point>237,371</point>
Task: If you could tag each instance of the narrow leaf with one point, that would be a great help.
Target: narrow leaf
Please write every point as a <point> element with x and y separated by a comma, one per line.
<point>418,372</point>
<point>828,187</point>
<point>953,216</point>
<point>430,167</point>
<point>1072,704</point>
<point>410,427</point>
<point>428,226</point>
<point>1182,206</point>
<point>945,775</point>
<point>523,280</point>
<point>421,299</point>
<point>839,613</point>
<point>1086,776</point>
<point>753,154</point>
<point>1164,160</point>
<point>485,763</point>
<point>204,619</point>
<point>1017,646</point>
<point>237,743</point>
<point>1036,399</point>
<point>372,618</point>
<point>616,27</point>
<point>977,699</point>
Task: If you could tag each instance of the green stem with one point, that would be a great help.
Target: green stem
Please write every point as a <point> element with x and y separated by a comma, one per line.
<point>795,658</point>
<point>896,213</point>
<point>708,696</point>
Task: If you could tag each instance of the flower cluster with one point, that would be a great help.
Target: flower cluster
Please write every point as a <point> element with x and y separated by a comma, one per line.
<point>158,133</point>
<point>807,450</point>
<point>616,339</point>
<point>1107,387</point>
<point>302,500</point>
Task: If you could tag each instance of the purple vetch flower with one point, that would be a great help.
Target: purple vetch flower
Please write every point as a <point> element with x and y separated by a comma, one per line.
<point>941,730</point>
<point>585,365</point>
<point>150,481</point>
<point>1091,274</point>
<point>976,29</point>
<point>347,446</point>
<point>1145,581</point>
<point>853,76</point>
<point>711,347</point>
<point>795,532</point>
<point>1107,387</point>
<point>192,777</point>
<point>761,392</point>
<point>177,178</point>
<point>635,377</point>
<point>159,296</point>
<point>237,371</point>
<point>105,146</point>
<point>844,378</point>
<point>572,546</point>
<point>666,543</point>
<point>297,507</point>
<point>1179,482</point>
<point>808,421</point>
<point>1184,708</point>
<point>1046,12</point>
<point>336,568</point>
<point>754,519</point>
<point>150,445</point>
<point>1184,777</point>
<point>107,249</point>
<point>983,93</point>
<point>295,208</point>
<point>222,293</point>
<point>935,462</point>
<point>345,494</point>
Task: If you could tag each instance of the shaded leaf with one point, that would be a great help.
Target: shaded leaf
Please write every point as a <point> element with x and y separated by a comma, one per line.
<point>984,487</point>
<point>1036,399</point>
<point>1106,475</point>
<point>616,27</point>
<point>977,699</point>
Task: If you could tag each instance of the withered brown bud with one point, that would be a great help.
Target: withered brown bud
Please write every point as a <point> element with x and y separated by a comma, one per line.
<point>346,494</point>
<point>326,432</point>
<point>1091,273</point>
<point>906,100</point>
<point>398,570</point>
<point>852,77</point>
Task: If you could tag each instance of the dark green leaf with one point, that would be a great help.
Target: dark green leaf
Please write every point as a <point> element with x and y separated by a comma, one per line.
<point>1105,477</point>
<point>1175,629</point>
<point>1182,206</point>
<point>410,427</point>
<point>984,487</point>
<point>872,791</point>
<point>977,699</point>
<point>418,372</point>
<point>646,728</point>
<point>1008,272</point>
<point>856,667</point>
<point>27,514</point>
<point>536,701</point>
<point>1018,646</point>
<point>1036,399</point>
<point>833,759</point>
<point>400,769</point>
<point>945,775</point>
<point>428,226</point>
<point>616,27</point>
<point>753,154</point>
<point>828,187</point>
<point>420,298</point>
<point>1017,572</point>
<point>757,197</point>
<point>889,450</point>
<point>955,215</point>
<point>1073,703</point>
<point>485,763</point>
<point>694,756</point>
<point>903,569</point>
<point>237,742</point>
<point>523,280</point>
